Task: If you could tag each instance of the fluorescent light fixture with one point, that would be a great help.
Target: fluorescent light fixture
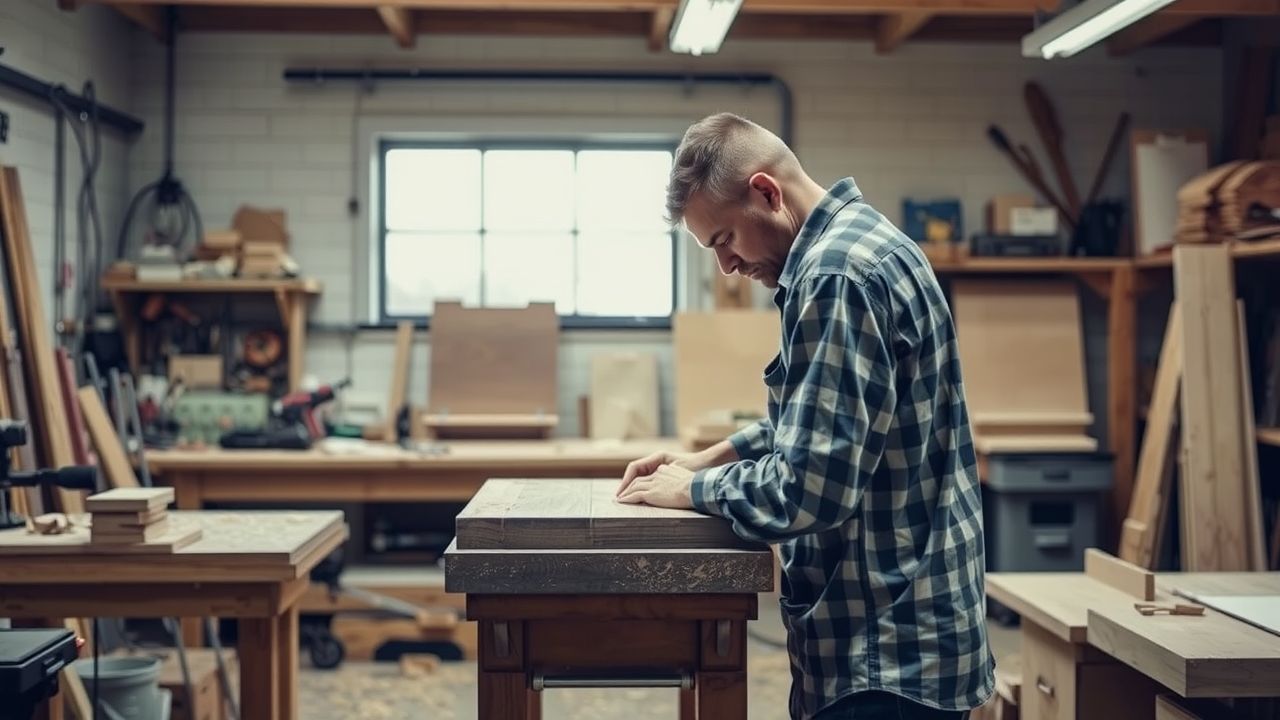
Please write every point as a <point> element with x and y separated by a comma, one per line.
<point>700,25</point>
<point>1085,24</point>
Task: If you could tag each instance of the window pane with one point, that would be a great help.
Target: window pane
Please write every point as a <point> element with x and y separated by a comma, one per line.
<point>528,190</point>
<point>433,189</point>
<point>622,189</point>
<point>625,274</point>
<point>422,268</point>
<point>524,267</point>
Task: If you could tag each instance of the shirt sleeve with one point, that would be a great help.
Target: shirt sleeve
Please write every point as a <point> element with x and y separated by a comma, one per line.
<point>753,441</point>
<point>830,436</point>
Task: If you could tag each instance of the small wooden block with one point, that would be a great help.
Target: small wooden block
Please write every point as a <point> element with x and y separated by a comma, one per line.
<point>128,536</point>
<point>1123,576</point>
<point>418,664</point>
<point>137,499</point>
<point>128,520</point>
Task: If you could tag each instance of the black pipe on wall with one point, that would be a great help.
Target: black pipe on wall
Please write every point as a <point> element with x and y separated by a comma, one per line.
<point>43,91</point>
<point>320,75</point>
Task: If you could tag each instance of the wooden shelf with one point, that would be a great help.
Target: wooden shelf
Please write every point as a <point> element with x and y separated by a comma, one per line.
<point>231,285</point>
<point>1269,436</point>
<point>1029,265</point>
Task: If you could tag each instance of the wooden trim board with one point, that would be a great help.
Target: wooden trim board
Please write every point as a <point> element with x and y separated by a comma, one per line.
<point>1121,575</point>
<point>1140,535</point>
<point>1213,498</point>
<point>1252,481</point>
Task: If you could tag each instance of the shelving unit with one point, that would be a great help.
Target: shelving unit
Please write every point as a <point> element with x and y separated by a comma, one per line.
<point>291,296</point>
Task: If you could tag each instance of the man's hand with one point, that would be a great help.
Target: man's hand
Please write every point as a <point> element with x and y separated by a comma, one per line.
<point>668,486</point>
<point>648,465</point>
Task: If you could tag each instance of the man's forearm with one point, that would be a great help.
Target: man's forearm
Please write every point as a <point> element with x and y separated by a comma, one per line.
<point>721,453</point>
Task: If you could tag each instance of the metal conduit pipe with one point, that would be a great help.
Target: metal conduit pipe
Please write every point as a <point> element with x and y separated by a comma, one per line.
<point>321,75</point>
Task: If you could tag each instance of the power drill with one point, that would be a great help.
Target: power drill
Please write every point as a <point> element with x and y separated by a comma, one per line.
<point>300,407</point>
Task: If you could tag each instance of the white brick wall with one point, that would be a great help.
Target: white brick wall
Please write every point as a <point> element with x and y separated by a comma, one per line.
<point>908,125</point>
<point>68,48</point>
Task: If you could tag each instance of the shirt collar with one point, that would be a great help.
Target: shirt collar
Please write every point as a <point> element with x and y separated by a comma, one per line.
<point>838,196</point>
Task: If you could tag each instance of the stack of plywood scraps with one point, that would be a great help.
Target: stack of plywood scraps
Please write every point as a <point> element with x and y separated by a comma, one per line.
<point>130,515</point>
<point>217,244</point>
<point>264,242</point>
<point>1022,355</point>
<point>1235,201</point>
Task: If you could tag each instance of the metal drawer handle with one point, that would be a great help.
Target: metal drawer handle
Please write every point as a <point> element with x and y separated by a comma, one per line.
<point>541,681</point>
<point>1044,687</point>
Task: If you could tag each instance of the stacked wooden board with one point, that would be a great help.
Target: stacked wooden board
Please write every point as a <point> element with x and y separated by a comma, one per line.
<point>130,515</point>
<point>1236,200</point>
<point>1022,356</point>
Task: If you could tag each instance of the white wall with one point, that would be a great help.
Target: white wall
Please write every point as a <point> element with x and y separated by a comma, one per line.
<point>68,48</point>
<point>908,125</point>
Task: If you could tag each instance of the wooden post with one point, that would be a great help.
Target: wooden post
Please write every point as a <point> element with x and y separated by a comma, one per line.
<point>287,655</point>
<point>1122,401</point>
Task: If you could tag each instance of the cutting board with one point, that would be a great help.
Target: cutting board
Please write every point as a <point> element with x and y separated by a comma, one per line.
<point>580,514</point>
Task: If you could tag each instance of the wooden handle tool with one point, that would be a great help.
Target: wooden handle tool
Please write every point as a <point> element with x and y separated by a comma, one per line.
<point>1046,121</point>
<point>1030,172</point>
<point>1122,123</point>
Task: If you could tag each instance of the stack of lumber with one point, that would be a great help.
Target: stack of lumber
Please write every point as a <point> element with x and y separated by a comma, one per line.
<point>1022,354</point>
<point>130,515</point>
<point>1237,200</point>
<point>217,244</point>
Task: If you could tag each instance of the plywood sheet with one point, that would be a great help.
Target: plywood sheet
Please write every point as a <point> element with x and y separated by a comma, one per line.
<point>17,541</point>
<point>494,360</point>
<point>624,396</point>
<point>580,514</point>
<point>1162,163</point>
<point>1215,529</point>
<point>1260,611</point>
<point>720,359</point>
<point>1032,442</point>
<point>1021,347</point>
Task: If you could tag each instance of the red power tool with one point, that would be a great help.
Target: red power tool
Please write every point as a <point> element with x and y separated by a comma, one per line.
<point>301,407</point>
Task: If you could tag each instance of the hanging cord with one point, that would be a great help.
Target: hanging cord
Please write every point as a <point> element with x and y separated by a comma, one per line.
<point>87,130</point>
<point>173,212</point>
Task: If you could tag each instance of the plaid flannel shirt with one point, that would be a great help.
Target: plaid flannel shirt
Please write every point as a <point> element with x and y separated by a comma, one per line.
<point>864,473</point>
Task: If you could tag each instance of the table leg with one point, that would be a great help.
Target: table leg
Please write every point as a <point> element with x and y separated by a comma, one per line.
<point>259,649</point>
<point>722,695</point>
<point>535,705</point>
<point>689,704</point>
<point>503,696</point>
<point>287,636</point>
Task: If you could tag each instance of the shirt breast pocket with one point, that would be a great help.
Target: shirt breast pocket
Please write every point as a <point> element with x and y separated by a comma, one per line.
<point>775,378</point>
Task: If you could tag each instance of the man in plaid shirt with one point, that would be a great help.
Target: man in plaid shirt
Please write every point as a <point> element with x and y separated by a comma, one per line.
<point>864,473</point>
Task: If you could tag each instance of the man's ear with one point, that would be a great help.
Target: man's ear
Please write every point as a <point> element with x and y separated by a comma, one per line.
<point>766,187</point>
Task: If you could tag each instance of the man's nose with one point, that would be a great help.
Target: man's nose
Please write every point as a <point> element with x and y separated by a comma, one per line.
<point>728,261</point>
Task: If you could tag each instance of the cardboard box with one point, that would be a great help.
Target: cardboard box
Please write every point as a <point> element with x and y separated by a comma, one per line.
<point>1000,212</point>
<point>197,371</point>
<point>1033,221</point>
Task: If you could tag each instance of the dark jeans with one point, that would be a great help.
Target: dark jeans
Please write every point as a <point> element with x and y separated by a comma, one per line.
<point>879,705</point>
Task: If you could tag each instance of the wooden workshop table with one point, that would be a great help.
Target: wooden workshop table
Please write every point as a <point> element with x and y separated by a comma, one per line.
<point>392,475</point>
<point>593,616</point>
<point>1076,632</point>
<point>252,566</point>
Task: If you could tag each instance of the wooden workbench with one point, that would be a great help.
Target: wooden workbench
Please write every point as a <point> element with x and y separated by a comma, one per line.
<point>252,566</point>
<point>673,613</point>
<point>391,475</point>
<point>1068,617</point>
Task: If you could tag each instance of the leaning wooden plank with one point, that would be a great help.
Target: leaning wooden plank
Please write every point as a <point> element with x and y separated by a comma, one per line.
<point>75,420</point>
<point>1119,574</point>
<point>1215,528</point>
<point>48,419</point>
<point>77,699</point>
<point>1156,461</point>
<point>130,500</point>
<point>1252,481</point>
<point>111,455</point>
<point>399,380</point>
<point>580,514</point>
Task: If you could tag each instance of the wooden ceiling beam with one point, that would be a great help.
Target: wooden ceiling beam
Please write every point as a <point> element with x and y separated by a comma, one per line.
<point>149,18</point>
<point>893,30</point>
<point>790,7</point>
<point>399,22</point>
<point>1148,30</point>
<point>660,28</point>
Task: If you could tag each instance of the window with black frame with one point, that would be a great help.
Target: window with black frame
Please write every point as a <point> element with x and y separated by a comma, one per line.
<point>503,224</point>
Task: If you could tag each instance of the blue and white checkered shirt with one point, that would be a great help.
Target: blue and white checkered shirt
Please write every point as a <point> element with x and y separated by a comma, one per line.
<point>864,473</point>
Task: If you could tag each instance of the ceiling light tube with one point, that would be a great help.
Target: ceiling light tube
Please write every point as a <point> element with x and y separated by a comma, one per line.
<point>1085,24</point>
<point>700,25</point>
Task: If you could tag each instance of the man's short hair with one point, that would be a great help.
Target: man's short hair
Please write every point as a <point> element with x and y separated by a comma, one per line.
<point>716,156</point>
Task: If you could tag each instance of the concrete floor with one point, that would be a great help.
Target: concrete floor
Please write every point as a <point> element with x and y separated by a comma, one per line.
<point>377,691</point>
